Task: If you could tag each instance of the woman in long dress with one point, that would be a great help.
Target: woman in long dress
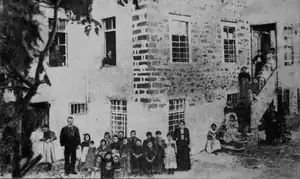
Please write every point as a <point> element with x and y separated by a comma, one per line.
<point>212,144</point>
<point>36,139</point>
<point>49,152</point>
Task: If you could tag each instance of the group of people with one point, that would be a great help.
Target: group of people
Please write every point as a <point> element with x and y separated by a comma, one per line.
<point>42,143</point>
<point>132,156</point>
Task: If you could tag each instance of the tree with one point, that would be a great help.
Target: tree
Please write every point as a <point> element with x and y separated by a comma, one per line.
<point>20,38</point>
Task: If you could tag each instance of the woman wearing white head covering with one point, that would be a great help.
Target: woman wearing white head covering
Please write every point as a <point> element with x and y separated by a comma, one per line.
<point>37,141</point>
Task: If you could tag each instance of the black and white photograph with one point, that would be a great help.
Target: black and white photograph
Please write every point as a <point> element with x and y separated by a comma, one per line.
<point>130,89</point>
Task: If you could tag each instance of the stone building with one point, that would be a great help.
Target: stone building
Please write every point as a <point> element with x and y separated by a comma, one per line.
<point>175,60</point>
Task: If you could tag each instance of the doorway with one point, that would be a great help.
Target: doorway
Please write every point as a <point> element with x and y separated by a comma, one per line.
<point>263,38</point>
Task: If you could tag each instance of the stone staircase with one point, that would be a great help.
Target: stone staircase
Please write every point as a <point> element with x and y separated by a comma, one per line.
<point>265,96</point>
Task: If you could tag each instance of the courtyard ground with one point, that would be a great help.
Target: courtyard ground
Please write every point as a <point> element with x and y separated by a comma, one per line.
<point>268,162</point>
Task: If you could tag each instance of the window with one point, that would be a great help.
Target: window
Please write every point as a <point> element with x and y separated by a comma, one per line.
<point>176,112</point>
<point>180,39</point>
<point>58,51</point>
<point>298,100</point>
<point>229,43</point>
<point>288,45</point>
<point>233,98</point>
<point>110,41</point>
<point>118,116</point>
<point>78,108</point>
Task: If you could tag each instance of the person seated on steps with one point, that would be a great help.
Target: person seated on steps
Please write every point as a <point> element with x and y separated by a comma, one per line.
<point>232,138</point>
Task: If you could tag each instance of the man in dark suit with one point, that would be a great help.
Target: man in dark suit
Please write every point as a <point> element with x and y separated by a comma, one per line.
<point>70,139</point>
<point>182,137</point>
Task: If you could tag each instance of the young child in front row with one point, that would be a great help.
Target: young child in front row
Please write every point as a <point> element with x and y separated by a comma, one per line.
<point>125,156</point>
<point>137,157</point>
<point>150,154</point>
<point>106,166</point>
<point>90,159</point>
<point>170,154</point>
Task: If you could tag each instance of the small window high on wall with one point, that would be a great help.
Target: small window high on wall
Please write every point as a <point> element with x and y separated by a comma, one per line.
<point>176,112</point>
<point>59,49</point>
<point>118,116</point>
<point>229,42</point>
<point>110,41</point>
<point>288,45</point>
<point>180,38</point>
<point>78,108</point>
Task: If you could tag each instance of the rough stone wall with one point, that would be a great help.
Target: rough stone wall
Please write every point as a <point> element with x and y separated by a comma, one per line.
<point>206,73</point>
<point>205,81</point>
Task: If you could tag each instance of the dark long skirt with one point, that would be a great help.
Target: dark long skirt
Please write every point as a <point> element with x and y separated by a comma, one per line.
<point>183,158</point>
<point>159,161</point>
<point>136,164</point>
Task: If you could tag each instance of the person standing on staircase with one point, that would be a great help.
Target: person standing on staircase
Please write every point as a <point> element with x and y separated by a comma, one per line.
<point>259,61</point>
<point>244,83</point>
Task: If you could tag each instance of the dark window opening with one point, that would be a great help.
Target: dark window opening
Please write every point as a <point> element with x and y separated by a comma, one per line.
<point>58,51</point>
<point>110,42</point>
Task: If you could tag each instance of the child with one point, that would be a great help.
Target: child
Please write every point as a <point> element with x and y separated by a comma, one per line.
<point>121,136</point>
<point>125,155</point>
<point>160,146</point>
<point>106,166</point>
<point>149,138</point>
<point>102,149</point>
<point>150,154</point>
<point>97,167</point>
<point>137,157</point>
<point>170,154</point>
<point>116,166</point>
<point>90,158</point>
<point>132,139</point>
<point>107,138</point>
<point>212,144</point>
<point>116,145</point>
<point>84,149</point>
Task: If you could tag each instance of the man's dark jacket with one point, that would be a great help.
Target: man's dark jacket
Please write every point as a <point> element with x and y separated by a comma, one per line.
<point>68,138</point>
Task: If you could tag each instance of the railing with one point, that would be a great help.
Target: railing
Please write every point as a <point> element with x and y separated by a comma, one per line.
<point>261,87</point>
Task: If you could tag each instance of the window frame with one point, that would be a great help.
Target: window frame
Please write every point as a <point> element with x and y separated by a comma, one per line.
<point>182,18</point>
<point>234,25</point>
<point>235,95</point>
<point>182,110</point>
<point>116,113</point>
<point>85,111</point>
<point>66,41</point>
<point>113,29</point>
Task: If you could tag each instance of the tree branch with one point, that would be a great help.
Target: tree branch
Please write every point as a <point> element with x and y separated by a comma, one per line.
<point>15,72</point>
<point>30,54</point>
<point>14,87</point>
<point>40,67</point>
<point>48,44</point>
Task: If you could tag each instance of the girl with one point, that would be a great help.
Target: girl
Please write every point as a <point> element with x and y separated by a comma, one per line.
<point>137,157</point>
<point>150,154</point>
<point>84,148</point>
<point>106,167</point>
<point>170,154</point>
<point>125,155</point>
<point>212,144</point>
<point>49,152</point>
<point>116,165</point>
<point>90,158</point>
<point>108,139</point>
<point>102,149</point>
